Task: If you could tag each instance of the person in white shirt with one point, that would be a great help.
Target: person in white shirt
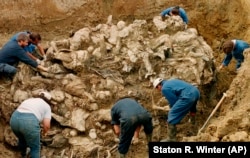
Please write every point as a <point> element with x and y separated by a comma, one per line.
<point>25,123</point>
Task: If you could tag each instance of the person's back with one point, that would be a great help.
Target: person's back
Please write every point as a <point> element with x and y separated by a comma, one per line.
<point>41,109</point>
<point>127,107</point>
<point>10,52</point>
<point>127,115</point>
<point>25,123</point>
<point>182,98</point>
<point>176,87</point>
<point>175,11</point>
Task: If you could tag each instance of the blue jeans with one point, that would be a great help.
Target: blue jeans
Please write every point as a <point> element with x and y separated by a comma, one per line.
<point>128,127</point>
<point>186,103</point>
<point>26,127</point>
<point>7,69</point>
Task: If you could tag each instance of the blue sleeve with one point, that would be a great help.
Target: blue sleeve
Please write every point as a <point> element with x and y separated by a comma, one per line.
<point>238,64</point>
<point>227,59</point>
<point>166,11</point>
<point>27,49</point>
<point>241,46</point>
<point>30,48</point>
<point>22,55</point>
<point>114,117</point>
<point>183,15</point>
<point>171,97</point>
<point>238,52</point>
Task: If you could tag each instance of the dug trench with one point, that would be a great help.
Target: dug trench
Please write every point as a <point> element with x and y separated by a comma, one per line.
<point>215,21</point>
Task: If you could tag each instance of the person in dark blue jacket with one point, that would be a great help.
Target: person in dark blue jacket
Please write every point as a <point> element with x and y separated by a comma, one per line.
<point>234,48</point>
<point>175,11</point>
<point>127,115</point>
<point>13,52</point>
<point>33,43</point>
<point>182,98</point>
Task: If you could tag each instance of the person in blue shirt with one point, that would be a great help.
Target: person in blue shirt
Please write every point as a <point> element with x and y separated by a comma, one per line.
<point>233,48</point>
<point>173,11</point>
<point>182,98</point>
<point>126,116</point>
<point>13,52</point>
<point>34,41</point>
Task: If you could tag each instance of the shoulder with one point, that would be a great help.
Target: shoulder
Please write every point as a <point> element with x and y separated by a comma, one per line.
<point>11,44</point>
<point>241,42</point>
<point>182,10</point>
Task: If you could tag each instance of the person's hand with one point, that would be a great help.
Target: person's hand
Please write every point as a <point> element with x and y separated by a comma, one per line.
<point>185,26</point>
<point>219,68</point>
<point>42,68</point>
<point>38,61</point>
<point>46,69</point>
<point>135,141</point>
<point>44,57</point>
<point>117,130</point>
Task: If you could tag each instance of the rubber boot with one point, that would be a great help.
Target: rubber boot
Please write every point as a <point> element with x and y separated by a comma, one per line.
<point>171,134</point>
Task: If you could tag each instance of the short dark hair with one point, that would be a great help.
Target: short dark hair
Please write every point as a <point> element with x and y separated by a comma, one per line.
<point>35,36</point>
<point>22,37</point>
<point>228,46</point>
<point>44,98</point>
<point>175,10</point>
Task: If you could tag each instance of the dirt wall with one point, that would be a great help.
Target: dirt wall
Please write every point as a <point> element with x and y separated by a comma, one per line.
<point>213,18</point>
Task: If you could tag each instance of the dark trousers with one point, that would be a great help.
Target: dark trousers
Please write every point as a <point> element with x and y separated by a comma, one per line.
<point>128,127</point>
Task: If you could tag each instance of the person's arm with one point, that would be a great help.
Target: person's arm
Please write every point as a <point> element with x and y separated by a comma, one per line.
<point>238,63</point>
<point>115,121</point>
<point>165,12</point>
<point>137,131</point>
<point>171,98</point>
<point>183,15</point>
<point>227,59</point>
<point>40,48</point>
<point>221,67</point>
<point>46,125</point>
<point>29,49</point>
<point>31,56</point>
<point>42,68</point>
<point>24,57</point>
<point>135,139</point>
<point>117,129</point>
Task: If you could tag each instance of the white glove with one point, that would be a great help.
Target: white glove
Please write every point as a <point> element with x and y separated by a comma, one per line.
<point>38,61</point>
<point>135,141</point>
<point>44,57</point>
<point>185,27</point>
